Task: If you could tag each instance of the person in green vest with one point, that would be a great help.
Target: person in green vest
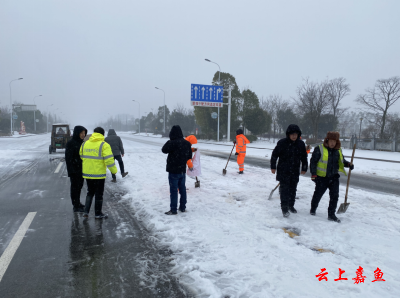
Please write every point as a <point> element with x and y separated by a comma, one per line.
<point>326,162</point>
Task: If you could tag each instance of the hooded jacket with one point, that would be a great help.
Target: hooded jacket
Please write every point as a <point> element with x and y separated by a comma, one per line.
<point>72,158</point>
<point>290,154</point>
<point>192,140</point>
<point>178,150</point>
<point>241,142</point>
<point>115,142</point>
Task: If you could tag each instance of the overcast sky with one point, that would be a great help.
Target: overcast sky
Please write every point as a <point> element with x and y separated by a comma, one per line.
<point>92,58</point>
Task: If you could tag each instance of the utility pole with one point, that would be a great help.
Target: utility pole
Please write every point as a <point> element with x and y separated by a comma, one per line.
<point>219,82</point>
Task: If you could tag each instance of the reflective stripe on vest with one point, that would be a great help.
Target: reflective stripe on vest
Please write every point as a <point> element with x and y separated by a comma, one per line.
<point>323,161</point>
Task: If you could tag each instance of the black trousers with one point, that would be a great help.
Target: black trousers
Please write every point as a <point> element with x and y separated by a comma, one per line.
<point>321,185</point>
<point>121,165</point>
<point>76,186</point>
<point>95,189</point>
<point>287,190</point>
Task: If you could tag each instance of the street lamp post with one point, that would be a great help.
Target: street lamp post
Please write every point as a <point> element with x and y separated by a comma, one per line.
<point>34,111</point>
<point>139,113</point>
<point>11,104</point>
<point>47,120</point>
<point>164,106</point>
<point>219,82</point>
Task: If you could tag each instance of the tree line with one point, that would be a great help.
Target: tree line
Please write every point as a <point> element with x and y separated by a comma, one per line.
<point>316,106</point>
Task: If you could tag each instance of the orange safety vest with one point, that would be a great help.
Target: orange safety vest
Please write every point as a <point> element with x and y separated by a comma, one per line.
<point>241,142</point>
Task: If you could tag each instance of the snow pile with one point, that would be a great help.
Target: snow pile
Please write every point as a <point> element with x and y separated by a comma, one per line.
<point>231,242</point>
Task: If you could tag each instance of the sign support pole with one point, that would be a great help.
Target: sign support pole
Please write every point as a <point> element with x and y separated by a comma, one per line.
<point>228,134</point>
<point>229,114</point>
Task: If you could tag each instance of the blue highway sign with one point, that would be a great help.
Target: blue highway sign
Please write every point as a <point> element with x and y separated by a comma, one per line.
<point>206,95</point>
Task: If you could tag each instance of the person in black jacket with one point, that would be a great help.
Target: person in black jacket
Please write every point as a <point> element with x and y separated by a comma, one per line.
<point>74,166</point>
<point>117,148</point>
<point>290,151</point>
<point>179,152</point>
<point>325,172</point>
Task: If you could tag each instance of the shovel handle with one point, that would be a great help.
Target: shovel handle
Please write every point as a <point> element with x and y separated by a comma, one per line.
<point>230,155</point>
<point>348,177</point>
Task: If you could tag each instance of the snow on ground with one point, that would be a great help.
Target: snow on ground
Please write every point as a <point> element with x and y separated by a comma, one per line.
<point>231,241</point>
<point>362,166</point>
<point>17,153</point>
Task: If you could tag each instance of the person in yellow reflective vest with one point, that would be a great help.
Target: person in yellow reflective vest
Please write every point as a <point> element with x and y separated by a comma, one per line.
<point>241,142</point>
<point>96,157</point>
<point>326,162</point>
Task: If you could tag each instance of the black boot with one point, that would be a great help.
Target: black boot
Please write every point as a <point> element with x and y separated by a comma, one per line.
<point>240,172</point>
<point>292,210</point>
<point>332,217</point>
<point>88,204</point>
<point>79,209</point>
<point>313,211</point>
<point>285,211</point>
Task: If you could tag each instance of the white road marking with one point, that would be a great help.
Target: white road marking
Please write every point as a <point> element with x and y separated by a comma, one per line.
<point>8,254</point>
<point>59,167</point>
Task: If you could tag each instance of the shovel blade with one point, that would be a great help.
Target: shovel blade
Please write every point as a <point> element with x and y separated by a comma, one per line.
<point>197,184</point>
<point>343,208</point>
<point>224,172</point>
<point>270,195</point>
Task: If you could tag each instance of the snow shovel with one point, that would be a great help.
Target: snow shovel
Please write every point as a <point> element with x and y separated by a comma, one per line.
<point>343,207</point>
<point>197,183</point>
<point>272,192</point>
<point>224,170</point>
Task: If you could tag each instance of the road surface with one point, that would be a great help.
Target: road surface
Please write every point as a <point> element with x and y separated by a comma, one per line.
<point>61,254</point>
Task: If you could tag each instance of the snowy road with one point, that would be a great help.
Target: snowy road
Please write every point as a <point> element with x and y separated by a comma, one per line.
<point>232,241</point>
<point>63,255</point>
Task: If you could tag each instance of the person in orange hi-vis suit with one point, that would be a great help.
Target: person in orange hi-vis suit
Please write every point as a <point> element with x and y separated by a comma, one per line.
<point>192,140</point>
<point>241,142</point>
<point>308,147</point>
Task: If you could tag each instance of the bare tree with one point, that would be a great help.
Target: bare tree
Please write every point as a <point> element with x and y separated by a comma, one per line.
<point>272,104</point>
<point>313,99</point>
<point>338,89</point>
<point>380,98</point>
<point>179,108</point>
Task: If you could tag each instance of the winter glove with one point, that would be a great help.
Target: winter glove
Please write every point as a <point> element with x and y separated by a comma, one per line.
<point>234,142</point>
<point>351,166</point>
<point>194,149</point>
<point>236,153</point>
<point>313,178</point>
<point>191,169</point>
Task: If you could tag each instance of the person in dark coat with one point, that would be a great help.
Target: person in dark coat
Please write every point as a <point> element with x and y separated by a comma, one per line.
<point>291,151</point>
<point>117,149</point>
<point>179,152</point>
<point>74,166</point>
<point>326,162</point>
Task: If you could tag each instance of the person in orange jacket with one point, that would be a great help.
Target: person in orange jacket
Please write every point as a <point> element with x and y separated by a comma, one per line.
<point>192,140</point>
<point>308,147</point>
<point>241,142</point>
